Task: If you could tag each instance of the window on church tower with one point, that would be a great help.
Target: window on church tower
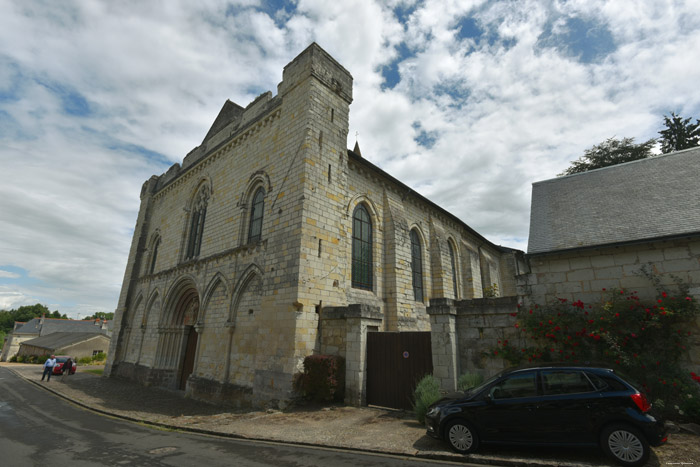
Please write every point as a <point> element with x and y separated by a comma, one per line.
<point>416,267</point>
<point>256,216</point>
<point>453,263</point>
<point>361,249</point>
<point>154,256</point>
<point>198,214</point>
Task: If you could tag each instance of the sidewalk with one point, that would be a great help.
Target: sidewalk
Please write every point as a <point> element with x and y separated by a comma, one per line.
<point>355,428</point>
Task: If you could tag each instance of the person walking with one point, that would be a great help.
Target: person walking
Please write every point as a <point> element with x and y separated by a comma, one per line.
<point>67,367</point>
<point>48,368</point>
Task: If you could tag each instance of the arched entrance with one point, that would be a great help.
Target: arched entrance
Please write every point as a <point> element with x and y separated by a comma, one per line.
<point>186,313</point>
<point>177,348</point>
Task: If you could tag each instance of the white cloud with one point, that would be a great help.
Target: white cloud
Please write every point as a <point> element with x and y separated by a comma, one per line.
<point>145,81</point>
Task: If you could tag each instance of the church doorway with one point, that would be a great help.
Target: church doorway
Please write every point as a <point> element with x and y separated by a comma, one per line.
<point>188,360</point>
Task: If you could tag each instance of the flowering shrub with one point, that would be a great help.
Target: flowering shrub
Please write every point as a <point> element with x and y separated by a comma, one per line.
<point>323,378</point>
<point>644,340</point>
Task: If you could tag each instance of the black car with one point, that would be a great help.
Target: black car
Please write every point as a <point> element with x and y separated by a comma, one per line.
<point>550,405</point>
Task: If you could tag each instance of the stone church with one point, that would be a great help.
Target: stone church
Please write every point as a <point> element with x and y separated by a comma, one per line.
<point>270,228</point>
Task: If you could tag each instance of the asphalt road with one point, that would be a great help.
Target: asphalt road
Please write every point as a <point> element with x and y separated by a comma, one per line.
<point>38,428</point>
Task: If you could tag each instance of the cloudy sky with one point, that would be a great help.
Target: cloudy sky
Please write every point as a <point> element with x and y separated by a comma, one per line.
<point>468,102</point>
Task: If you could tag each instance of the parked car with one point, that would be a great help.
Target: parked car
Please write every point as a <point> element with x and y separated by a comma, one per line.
<point>551,405</point>
<point>60,361</point>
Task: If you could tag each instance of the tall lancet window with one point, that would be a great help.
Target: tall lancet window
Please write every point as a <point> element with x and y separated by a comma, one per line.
<point>453,263</point>
<point>257,209</point>
<point>197,217</point>
<point>416,267</point>
<point>361,249</point>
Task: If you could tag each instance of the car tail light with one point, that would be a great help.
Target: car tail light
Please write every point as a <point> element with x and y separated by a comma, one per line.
<point>641,402</point>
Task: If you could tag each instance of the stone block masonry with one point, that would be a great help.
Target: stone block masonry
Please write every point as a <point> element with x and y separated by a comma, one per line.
<point>241,254</point>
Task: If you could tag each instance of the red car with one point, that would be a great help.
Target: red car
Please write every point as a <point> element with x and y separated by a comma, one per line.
<point>60,361</point>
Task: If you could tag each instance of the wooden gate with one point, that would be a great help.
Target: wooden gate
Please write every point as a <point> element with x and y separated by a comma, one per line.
<point>396,361</point>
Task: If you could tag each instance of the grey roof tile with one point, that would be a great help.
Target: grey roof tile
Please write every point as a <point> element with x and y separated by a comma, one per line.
<point>641,200</point>
<point>59,340</point>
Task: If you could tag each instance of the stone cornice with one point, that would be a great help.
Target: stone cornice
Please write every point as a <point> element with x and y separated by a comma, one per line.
<point>195,265</point>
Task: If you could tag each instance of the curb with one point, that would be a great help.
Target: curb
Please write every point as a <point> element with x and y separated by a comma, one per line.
<point>417,455</point>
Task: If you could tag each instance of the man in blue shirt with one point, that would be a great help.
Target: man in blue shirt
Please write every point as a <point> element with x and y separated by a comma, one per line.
<point>48,367</point>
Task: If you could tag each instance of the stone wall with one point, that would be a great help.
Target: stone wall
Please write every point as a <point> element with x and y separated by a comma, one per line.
<point>465,334</point>
<point>583,274</point>
<point>589,274</point>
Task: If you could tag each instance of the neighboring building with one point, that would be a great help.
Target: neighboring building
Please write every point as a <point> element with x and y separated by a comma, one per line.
<point>272,227</point>
<point>595,231</point>
<point>74,344</point>
<point>39,327</point>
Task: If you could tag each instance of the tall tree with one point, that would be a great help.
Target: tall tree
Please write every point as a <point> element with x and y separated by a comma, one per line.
<point>679,133</point>
<point>610,152</point>
<point>101,315</point>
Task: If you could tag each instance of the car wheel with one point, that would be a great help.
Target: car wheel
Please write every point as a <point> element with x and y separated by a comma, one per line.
<point>462,437</point>
<point>625,444</point>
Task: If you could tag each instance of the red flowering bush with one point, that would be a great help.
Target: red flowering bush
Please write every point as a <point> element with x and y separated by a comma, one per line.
<point>323,378</point>
<point>646,341</point>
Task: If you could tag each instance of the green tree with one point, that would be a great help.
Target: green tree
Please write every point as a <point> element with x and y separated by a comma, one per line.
<point>100,315</point>
<point>679,133</point>
<point>24,314</point>
<point>610,152</point>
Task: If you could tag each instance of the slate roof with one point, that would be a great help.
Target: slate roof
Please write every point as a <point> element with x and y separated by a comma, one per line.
<point>643,200</point>
<point>51,325</point>
<point>59,340</point>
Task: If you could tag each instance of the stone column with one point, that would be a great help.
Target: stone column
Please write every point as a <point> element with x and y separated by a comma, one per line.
<point>358,319</point>
<point>443,342</point>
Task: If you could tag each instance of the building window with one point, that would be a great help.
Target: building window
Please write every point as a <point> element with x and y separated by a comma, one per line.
<point>453,263</point>
<point>361,249</point>
<point>416,267</point>
<point>256,216</point>
<point>154,256</point>
<point>198,214</point>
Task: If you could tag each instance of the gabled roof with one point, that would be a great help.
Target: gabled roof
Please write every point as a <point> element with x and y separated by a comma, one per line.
<point>51,325</point>
<point>30,327</point>
<point>355,157</point>
<point>58,340</point>
<point>229,112</point>
<point>644,200</point>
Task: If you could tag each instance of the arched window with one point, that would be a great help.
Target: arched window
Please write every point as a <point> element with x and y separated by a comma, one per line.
<point>257,208</point>
<point>154,255</point>
<point>198,214</point>
<point>361,249</point>
<point>453,263</point>
<point>416,267</point>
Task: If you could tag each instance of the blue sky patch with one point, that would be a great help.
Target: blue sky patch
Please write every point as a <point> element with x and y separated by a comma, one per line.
<point>153,156</point>
<point>10,92</point>
<point>584,39</point>
<point>72,102</point>
<point>404,12</point>
<point>16,276</point>
<point>426,139</point>
<point>278,10</point>
<point>468,28</point>
<point>390,72</point>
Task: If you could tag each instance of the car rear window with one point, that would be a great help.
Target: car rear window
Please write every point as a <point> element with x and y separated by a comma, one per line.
<point>606,382</point>
<point>61,359</point>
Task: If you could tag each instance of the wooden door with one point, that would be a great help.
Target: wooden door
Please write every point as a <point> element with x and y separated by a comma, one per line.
<point>396,361</point>
<point>188,361</point>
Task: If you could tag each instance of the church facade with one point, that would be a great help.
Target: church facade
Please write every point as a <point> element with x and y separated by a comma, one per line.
<point>270,221</point>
